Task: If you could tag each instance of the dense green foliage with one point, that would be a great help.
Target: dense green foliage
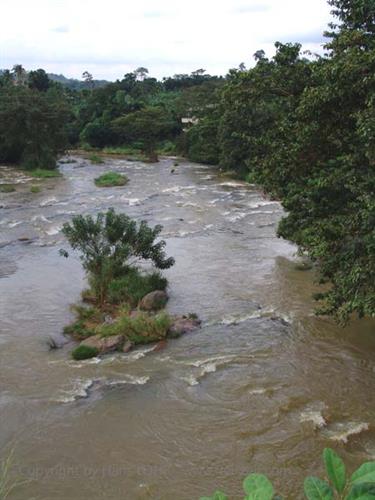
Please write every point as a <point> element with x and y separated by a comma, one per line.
<point>360,486</point>
<point>41,116</point>
<point>134,286</point>
<point>110,179</point>
<point>139,111</point>
<point>146,127</point>
<point>110,245</point>
<point>33,119</point>
<point>84,352</point>
<point>304,129</point>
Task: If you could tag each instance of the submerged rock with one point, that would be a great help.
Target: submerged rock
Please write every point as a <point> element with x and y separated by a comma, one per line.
<point>127,346</point>
<point>183,324</point>
<point>104,344</point>
<point>162,344</point>
<point>154,301</point>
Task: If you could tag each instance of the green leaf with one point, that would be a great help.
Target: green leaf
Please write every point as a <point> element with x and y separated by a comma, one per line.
<point>316,489</point>
<point>258,487</point>
<point>365,474</point>
<point>335,468</point>
<point>219,495</point>
<point>362,491</point>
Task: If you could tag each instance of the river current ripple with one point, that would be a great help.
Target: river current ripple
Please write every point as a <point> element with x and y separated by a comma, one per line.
<point>263,386</point>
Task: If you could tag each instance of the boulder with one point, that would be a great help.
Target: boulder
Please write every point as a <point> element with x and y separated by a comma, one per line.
<point>154,301</point>
<point>183,324</point>
<point>127,346</point>
<point>162,344</point>
<point>104,344</point>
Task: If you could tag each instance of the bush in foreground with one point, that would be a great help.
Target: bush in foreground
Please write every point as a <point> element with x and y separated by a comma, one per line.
<point>360,486</point>
<point>84,352</point>
<point>111,179</point>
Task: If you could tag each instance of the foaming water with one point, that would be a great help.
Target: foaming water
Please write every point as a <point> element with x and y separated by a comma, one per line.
<point>263,386</point>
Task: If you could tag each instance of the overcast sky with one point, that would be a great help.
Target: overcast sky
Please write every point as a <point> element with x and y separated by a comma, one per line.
<point>112,37</point>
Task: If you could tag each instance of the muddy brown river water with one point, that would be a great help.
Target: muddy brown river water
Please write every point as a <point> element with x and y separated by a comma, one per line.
<point>264,386</point>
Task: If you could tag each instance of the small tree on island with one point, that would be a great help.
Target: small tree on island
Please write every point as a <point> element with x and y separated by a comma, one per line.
<point>111,245</point>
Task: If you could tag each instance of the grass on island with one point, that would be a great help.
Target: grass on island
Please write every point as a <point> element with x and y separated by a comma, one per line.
<point>134,286</point>
<point>42,173</point>
<point>111,179</point>
<point>7,188</point>
<point>132,154</point>
<point>94,158</point>
<point>139,327</point>
<point>124,294</point>
<point>142,328</point>
<point>35,189</point>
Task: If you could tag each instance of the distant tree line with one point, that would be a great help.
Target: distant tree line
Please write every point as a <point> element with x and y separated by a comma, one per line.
<point>40,116</point>
<point>34,113</point>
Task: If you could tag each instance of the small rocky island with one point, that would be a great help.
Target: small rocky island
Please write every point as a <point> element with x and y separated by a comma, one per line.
<point>124,305</point>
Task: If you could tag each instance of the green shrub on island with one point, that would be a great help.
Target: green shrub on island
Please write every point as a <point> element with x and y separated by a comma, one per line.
<point>360,486</point>
<point>110,245</point>
<point>84,352</point>
<point>79,330</point>
<point>94,158</point>
<point>132,287</point>
<point>7,188</point>
<point>35,189</point>
<point>42,173</point>
<point>88,313</point>
<point>107,243</point>
<point>111,179</point>
<point>87,320</point>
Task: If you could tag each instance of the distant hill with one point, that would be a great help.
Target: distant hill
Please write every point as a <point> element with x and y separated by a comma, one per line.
<point>75,84</point>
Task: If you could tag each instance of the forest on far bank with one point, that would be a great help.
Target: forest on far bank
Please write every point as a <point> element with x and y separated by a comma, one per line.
<point>300,125</point>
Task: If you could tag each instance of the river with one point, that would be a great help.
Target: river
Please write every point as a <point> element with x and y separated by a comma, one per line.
<point>263,386</point>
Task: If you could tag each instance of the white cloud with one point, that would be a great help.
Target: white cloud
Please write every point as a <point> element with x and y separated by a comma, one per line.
<point>167,36</point>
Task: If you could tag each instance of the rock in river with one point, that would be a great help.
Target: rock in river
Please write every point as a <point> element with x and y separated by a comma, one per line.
<point>154,301</point>
<point>183,324</point>
<point>105,344</point>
